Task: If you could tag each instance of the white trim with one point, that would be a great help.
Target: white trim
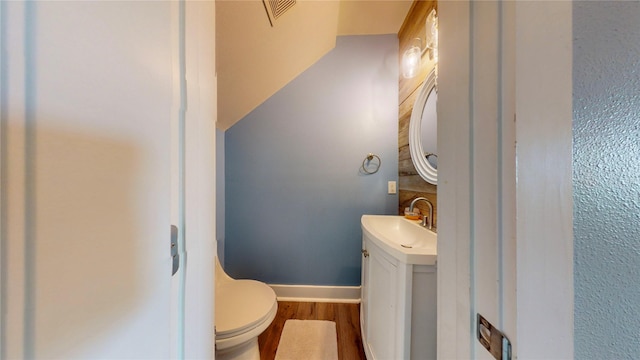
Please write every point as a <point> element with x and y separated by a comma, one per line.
<point>316,293</point>
<point>200,180</point>
<point>453,108</point>
<point>544,113</point>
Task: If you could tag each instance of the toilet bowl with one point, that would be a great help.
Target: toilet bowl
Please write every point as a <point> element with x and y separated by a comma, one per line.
<point>244,309</point>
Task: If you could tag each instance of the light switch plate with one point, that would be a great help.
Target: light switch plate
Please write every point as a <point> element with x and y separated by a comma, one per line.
<point>391,187</point>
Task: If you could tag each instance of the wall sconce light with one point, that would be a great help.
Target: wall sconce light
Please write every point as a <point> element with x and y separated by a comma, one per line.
<point>411,60</point>
<point>412,57</point>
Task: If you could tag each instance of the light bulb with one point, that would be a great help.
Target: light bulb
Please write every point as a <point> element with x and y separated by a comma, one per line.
<point>411,62</point>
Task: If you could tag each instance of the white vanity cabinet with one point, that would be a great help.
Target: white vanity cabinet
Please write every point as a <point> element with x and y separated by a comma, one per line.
<point>398,309</point>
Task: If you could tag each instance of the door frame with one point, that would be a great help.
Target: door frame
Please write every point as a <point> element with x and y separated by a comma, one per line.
<point>535,282</point>
<point>200,180</point>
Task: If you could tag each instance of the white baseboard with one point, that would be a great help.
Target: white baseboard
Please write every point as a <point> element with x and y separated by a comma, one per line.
<point>315,293</point>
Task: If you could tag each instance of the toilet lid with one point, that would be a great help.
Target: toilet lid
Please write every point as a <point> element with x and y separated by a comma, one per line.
<point>242,304</point>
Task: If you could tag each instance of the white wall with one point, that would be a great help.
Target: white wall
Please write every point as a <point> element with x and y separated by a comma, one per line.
<point>606,178</point>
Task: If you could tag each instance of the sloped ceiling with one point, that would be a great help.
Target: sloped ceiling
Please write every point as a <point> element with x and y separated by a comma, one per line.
<point>255,59</point>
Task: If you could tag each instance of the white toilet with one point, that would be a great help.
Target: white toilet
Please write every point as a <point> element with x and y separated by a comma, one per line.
<point>244,309</point>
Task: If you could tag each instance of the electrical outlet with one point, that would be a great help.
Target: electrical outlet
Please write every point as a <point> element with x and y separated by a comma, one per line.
<point>391,187</point>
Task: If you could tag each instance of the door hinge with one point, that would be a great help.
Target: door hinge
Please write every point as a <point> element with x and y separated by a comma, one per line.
<point>493,339</point>
<point>174,250</point>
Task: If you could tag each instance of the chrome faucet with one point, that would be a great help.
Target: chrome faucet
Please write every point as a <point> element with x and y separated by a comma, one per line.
<point>426,220</point>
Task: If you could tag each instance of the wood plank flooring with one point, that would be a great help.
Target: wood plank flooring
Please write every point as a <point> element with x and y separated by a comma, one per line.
<point>346,316</point>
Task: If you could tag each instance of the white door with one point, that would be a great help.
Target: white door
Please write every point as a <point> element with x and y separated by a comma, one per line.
<point>504,187</point>
<point>90,99</point>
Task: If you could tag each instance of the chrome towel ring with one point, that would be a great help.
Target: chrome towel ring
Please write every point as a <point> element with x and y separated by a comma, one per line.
<point>369,165</point>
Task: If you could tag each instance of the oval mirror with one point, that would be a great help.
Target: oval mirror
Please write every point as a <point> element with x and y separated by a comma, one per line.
<point>423,131</point>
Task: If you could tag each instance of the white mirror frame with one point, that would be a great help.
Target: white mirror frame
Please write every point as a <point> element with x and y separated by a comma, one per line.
<point>422,165</point>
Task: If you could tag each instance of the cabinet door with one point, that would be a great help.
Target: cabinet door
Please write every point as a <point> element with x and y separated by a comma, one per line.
<point>364,295</point>
<point>382,327</point>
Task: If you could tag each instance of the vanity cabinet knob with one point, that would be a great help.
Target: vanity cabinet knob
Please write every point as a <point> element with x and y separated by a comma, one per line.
<point>364,252</point>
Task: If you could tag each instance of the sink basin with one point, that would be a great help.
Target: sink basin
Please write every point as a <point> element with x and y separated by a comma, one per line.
<point>404,239</point>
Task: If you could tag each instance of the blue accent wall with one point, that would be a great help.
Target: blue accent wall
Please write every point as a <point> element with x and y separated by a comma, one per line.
<point>606,179</point>
<point>294,189</point>
<point>220,195</point>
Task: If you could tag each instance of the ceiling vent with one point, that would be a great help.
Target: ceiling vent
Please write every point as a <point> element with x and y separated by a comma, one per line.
<point>275,8</point>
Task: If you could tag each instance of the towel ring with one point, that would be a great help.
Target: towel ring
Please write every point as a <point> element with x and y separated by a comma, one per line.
<point>367,163</point>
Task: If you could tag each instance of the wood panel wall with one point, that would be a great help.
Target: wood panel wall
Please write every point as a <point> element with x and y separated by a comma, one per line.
<point>410,184</point>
